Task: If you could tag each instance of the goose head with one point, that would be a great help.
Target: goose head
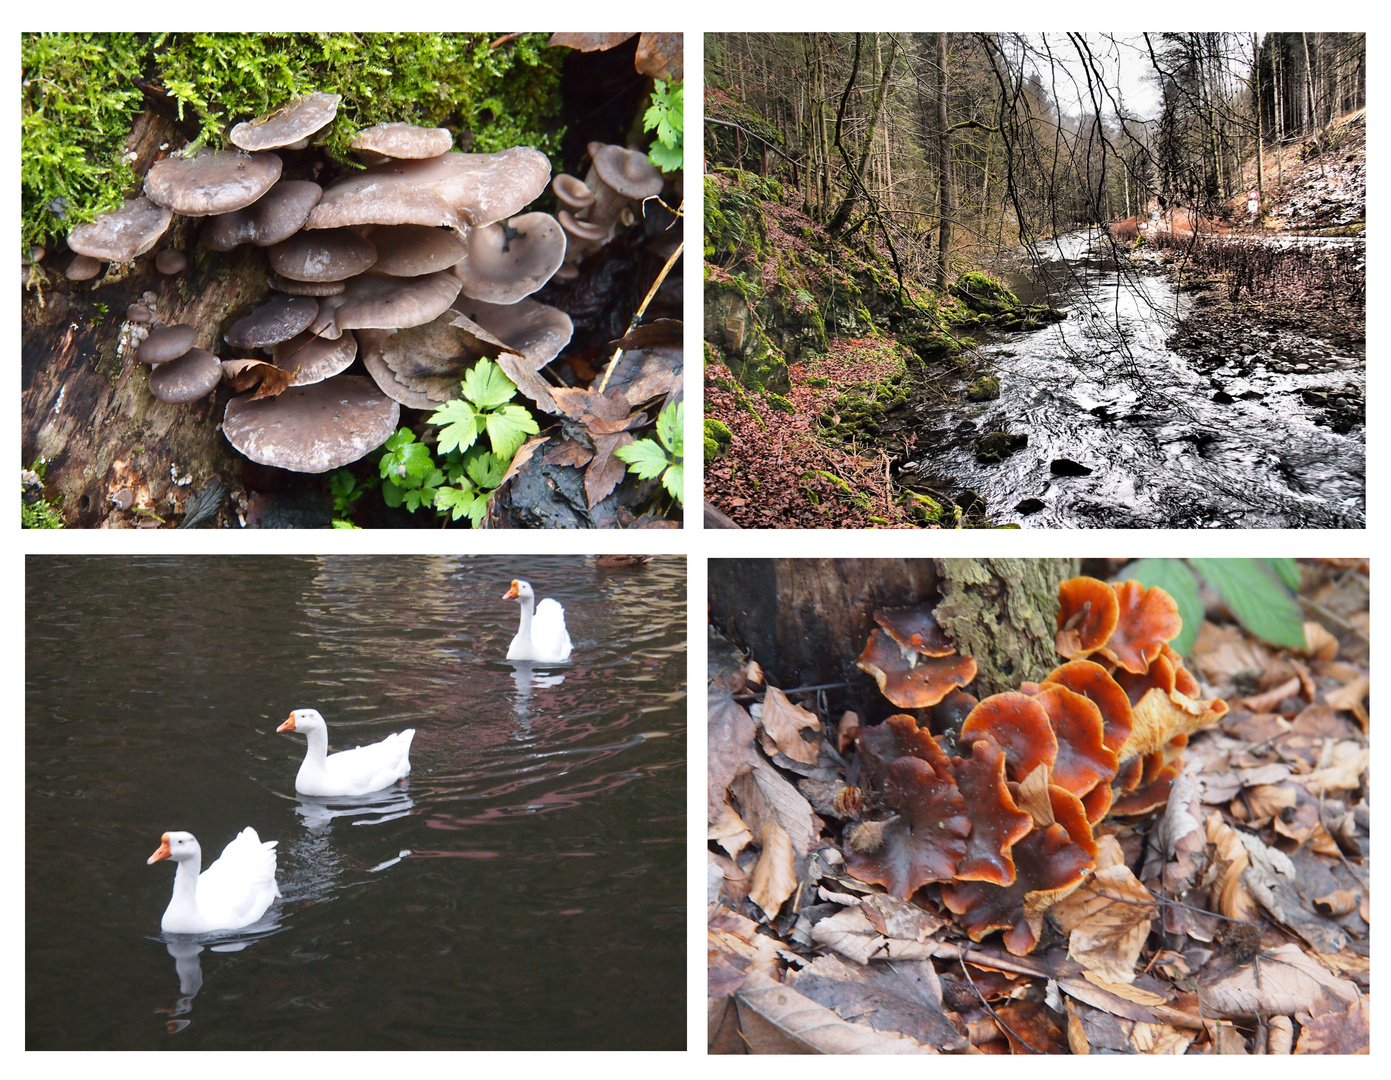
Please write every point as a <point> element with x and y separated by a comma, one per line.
<point>520,591</point>
<point>179,846</point>
<point>303,720</point>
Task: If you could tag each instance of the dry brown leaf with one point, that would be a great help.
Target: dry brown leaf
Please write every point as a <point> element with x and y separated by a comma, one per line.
<point>1108,920</point>
<point>736,951</point>
<point>1228,1040</point>
<point>569,452</point>
<point>1033,796</point>
<point>1341,767</point>
<point>725,880</point>
<point>1339,902</point>
<point>268,379</point>
<point>1281,1038</point>
<point>1266,702</point>
<point>1350,697</point>
<point>1230,862</point>
<point>1223,652</point>
<point>729,730</point>
<point>786,722</point>
<point>902,998</point>
<point>895,918</point>
<point>522,456</point>
<point>850,933</point>
<point>1287,981</point>
<point>1267,800</point>
<point>605,471</point>
<point>1318,642</point>
<point>848,729</point>
<point>753,674</point>
<point>1139,995</point>
<point>778,1020</point>
<point>774,876</point>
<point>729,831</point>
<point>764,796</point>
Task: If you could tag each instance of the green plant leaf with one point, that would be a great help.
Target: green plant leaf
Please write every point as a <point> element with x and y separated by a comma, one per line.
<point>1288,570</point>
<point>403,437</point>
<point>1178,581</point>
<point>487,386</point>
<point>486,470</point>
<point>415,460</point>
<point>673,480</point>
<point>456,501</point>
<point>508,429</point>
<point>645,458</point>
<point>666,158</point>
<point>670,424</point>
<point>392,495</point>
<point>1257,597</point>
<point>339,523</point>
<point>459,425</point>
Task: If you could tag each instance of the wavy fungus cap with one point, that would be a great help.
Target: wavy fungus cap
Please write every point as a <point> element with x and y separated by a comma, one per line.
<point>288,124</point>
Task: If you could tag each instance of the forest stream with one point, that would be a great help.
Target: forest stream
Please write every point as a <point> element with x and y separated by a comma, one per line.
<point>1123,431</point>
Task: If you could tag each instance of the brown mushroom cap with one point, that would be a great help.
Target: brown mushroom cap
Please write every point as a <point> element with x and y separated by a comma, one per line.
<point>1094,682</point>
<point>275,216</point>
<point>588,42</point>
<point>1083,761</point>
<point>536,330</point>
<point>399,140</point>
<point>880,745</point>
<point>310,359</point>
<point>288,124</point>
<point>214,182</point>
<point>1020,725</point>
<point>1148,619</point>
<point>423,366</point>
<point>170,261</point>
<point>908,679</point>
<point>325,324</point>
<point>192,376</point>
<point>1087,614</point>
<point>121,235</point>
<point>997,823</point>
<point>305,288</point>
<point>628,172</point>
<point>915,628</point>
<point>659,55</point>
<point>315,428</point>
<point>381,302</point>
<point>412,250</point>
<point>453,189</point>
<point>278,319</point>
<point>507,263</point>
<point>83,268</point>
<point>572,192</point>
<point>166,343</point>
<point>322,255</point>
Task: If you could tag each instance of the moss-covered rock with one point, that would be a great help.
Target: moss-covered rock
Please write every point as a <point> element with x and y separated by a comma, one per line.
<point>719,432</point>
<point>986,388</point>
<point>983,293</point>
<point>998,445</point>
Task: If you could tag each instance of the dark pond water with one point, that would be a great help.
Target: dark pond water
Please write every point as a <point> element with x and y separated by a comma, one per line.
<point>1169,443</point>
<point>541,905</point>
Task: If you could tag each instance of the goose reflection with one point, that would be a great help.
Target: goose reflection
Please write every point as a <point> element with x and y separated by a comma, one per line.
<point>186,948</point>
<point>318,812</point>
<point>527,679</point>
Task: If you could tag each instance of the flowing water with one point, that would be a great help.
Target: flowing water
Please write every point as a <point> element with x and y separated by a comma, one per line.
<point>522,888</point>
<point>1168,442</point>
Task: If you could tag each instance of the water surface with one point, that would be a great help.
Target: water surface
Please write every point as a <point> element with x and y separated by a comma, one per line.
<point>541,905</point>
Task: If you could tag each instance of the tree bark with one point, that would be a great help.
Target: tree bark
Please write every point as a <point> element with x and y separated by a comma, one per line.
<point>86,408</point>
<point>944,202</point>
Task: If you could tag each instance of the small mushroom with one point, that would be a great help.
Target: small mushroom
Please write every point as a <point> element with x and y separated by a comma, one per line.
<point>915,628</point>
<point>399,140</point>
<point>1087,614</point>
<point>323,255</point>
<point>288,124</point>
<point>122,235</point>
<point>278,319</point>
<point>909,679</point>
<point>170,261</point>
<point>83,268</point>
<point>192,376</point>
<point>166,343</point>
<point>275,216</point>
<point>507,263</point>
<point>138,313</point>
<point>313,429</point>
<point>572,192</point>
<point>310,359</point>
<point>413,250</point>
<point>213,182</point>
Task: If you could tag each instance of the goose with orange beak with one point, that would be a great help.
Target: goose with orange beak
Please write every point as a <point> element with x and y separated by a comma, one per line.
<point>542,635</point>
<point>349,772</point>
<point>233,892</point>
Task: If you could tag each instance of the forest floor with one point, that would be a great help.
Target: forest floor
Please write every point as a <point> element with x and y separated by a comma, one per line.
<point>1265,836</point>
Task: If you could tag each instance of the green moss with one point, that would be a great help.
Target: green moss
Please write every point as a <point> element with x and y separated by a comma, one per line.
<point>779,402</point>
<point>818,381</point>
<point>712,449</point>
<point>80,99</point>
<point>984,389</point>
<point>719,432</point>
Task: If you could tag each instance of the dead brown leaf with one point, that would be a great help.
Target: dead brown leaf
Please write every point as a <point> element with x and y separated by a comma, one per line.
<point>1318,642</point>
<point>764,796</point>
<point>1108,920</point>
<point>268,379</point>
<point>1033,796</point>
<point>1287,981</point>
<point>774,876</point>
<point>903,998</point>
<point>789,726</point>
<point>605,470</point>
<point>1341,767</point>
<point>569,452</point>
<point>1266,702</point>
<point>729,831</point>
<point>736,950</point>
<point>851,933</point>
<point>778,1020</point>
<point>895,918</point>
<point>849,728</point>
<point>729,731</point>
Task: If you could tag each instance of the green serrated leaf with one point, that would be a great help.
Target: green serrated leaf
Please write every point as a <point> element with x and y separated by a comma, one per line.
<point>403,437</point>
<point>644,458</point>
<point>674,481</point>
<point>338,523</point>
<point>670,423</point>
<point>1257,597</point>
<point>479,510</point>
<point>1288,570</point>
<point>456,501</point>
<point>459,426</point>
<point>508,429</point>
<point>415,459</point>
<point>666,158</point>
<point>487,386</point>
<point>1178,581</point>
<point>487,470</point>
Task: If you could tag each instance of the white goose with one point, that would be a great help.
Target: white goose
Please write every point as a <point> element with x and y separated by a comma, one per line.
<point>350,772</point>
<point>233,892</point>
<point>542,635</point>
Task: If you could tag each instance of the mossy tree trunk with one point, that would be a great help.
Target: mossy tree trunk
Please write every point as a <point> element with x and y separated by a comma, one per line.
<point>86,406</point>
<point>807,620</point>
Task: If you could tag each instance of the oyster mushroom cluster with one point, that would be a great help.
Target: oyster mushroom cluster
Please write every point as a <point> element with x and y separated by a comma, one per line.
<point>421,262</point>
<point>999,806</point>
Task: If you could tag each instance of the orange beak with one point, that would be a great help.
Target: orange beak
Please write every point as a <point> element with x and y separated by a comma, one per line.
<point>162,853</point>
<point>288,725</point>
<point>512,593</point>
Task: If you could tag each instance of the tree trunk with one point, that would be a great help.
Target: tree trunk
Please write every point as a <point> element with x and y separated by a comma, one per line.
<point>1260,143</point>
<point>806,621</point>
<point>85,405</point>
<point>944,202</point>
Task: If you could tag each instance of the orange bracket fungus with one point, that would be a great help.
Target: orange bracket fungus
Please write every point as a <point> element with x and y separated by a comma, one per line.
<point>1008,827</point>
